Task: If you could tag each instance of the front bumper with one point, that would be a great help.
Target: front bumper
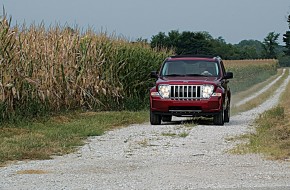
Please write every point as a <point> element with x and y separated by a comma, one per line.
<point>198,107</point>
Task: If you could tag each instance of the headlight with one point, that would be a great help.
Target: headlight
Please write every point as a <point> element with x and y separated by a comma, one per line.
<point>164,91</point>
<point>207,91</point>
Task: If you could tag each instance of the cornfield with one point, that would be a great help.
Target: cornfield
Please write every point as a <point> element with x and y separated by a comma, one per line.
<point>250,72</point>
<point>47,70</point>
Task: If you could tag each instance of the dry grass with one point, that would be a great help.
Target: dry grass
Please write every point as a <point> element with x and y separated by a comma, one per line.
<point>272,136</point>
<point>32,172</point>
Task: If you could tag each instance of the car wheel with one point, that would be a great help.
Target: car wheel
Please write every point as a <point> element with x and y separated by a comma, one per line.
<point>155,119</point>
<point>219,118</point>
<point>227,115</point>
<point>166,118</point>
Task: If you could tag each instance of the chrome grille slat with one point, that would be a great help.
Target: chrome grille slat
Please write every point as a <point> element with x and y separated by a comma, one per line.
<point>185,92</point>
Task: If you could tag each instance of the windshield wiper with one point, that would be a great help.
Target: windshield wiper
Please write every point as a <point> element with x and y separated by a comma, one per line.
<point>174,75</point>
<point>198,75</point>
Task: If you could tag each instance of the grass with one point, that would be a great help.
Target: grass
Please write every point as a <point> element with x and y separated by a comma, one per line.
<point>59,135</point>
<point>182,134</point>
<point>272,136</point>
<point>250,72</point>
<point>261,98</point>
<point>244,94</point>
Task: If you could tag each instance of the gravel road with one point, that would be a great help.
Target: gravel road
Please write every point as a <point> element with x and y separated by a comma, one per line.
<point>157,157</point>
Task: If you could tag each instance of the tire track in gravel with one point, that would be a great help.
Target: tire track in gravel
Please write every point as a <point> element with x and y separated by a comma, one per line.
<point>152,157</point>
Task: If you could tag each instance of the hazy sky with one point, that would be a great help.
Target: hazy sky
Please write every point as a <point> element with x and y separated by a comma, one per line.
<point>234,20</point>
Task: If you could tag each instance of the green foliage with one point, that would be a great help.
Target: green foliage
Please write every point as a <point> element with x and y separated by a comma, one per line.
<point>286,39</point>
<point>183,43</point>
<point>284,61</point>
<point>244,78</point>
<point>250,49</point>
<point>270,45</point>
<point>187,42</point>
<point>250,72</point>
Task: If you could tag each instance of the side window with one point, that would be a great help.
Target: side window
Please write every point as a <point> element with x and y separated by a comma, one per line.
<point>165,69</point>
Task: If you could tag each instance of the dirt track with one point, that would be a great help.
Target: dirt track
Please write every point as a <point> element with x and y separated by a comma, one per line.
<point>157,157</point>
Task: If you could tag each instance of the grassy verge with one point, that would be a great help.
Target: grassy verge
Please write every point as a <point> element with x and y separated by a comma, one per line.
<point>261,98</point>
<point>250,72</point>
<point>272,136</point>
<point>59,135</point>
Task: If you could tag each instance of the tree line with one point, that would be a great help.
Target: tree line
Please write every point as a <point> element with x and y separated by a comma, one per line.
<point>187,42</point>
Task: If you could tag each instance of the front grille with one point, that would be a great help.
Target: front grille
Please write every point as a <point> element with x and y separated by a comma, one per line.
<point>185,92</point>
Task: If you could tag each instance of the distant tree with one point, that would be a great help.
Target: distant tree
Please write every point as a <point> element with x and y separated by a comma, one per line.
<point>270,44</point>
<point>286,39</point>
<point>184,43</point>
<point>188,42</point>
<point>251,49</point>
<point>159,41</point>
<point>194,43</point>
<point>173,38</point>
<point>141,40</point>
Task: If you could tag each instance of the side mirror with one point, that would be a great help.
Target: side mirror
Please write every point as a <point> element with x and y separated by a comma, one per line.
<point>154,74</point>
<point>229,75</point>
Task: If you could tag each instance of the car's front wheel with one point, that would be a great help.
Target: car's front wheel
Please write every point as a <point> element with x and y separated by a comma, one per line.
<point>227,115</point>
<point>219,118</point>
<point>155,119</point>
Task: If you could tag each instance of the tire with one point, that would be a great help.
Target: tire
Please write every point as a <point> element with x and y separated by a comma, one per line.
<point>155,119</point>
<point>166,118</point>
<point>219,118</point>
<point>227,115</point>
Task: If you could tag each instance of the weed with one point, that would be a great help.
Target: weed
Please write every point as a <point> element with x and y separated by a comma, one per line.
<point>183,134</point>
<point>169,134</point>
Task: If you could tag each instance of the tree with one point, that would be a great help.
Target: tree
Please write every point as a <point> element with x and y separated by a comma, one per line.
<point>188,42</point>
<point>141,40</point>
<point>286,39</point>
<point>159,41</point>
<point>270,44</point>
<point>183,43</point>
<point>194,43</point>
<point>173,38</point>
<point>250,49</point>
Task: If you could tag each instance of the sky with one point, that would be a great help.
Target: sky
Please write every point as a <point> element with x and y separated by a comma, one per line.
<point>233,20</point>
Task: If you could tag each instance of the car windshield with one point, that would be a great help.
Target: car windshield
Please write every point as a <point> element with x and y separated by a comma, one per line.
<point>190,68</point>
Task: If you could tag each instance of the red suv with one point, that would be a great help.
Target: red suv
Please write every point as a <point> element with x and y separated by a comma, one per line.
<point>191,86</point>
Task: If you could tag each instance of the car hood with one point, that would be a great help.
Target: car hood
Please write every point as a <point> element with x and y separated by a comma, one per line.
<point>188,80</point>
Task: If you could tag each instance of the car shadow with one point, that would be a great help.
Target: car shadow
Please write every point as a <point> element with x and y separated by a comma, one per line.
<point>184,120</point>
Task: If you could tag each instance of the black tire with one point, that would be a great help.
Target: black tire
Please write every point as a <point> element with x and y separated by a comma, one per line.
<point>166,118</point>
<point>227,115</point>
<point>219,118</point>
<point>155,119</point>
